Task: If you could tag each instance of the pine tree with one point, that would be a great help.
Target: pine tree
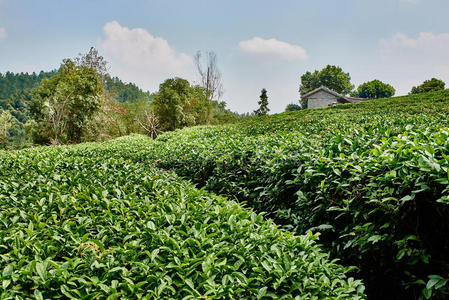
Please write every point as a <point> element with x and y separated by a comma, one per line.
<point>263,104</point>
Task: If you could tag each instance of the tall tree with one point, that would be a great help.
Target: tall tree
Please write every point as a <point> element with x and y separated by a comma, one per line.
<point>63,104</point>
<point>210,75</point>
<point>6,123</point>
<point>331,77</point>
<point>94,60</point>
<point>431,85</point>
<point>374,89</point>
<point>263,104</point>
<point>178,104</point>
<point>170,104</point>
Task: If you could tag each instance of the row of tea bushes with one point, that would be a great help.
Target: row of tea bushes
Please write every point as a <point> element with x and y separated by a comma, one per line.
<point>372,178</point>
<point>92,222</point>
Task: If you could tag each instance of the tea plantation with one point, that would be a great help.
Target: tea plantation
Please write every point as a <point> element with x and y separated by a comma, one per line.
<point>114,220</point>
<point>95,221</point>
<point>371,178</point>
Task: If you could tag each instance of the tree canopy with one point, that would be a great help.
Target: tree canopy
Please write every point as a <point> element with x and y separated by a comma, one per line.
<point>431,85</point>
<point>374,89</point>
<point>63,104</point>
<point>332,77</point>
<point>178,104</point>
<point>292,107</point>
<point>13,83</point>
<point>6,123</point>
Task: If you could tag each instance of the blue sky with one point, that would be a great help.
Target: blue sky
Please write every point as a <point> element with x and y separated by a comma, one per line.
<point>259,44</point>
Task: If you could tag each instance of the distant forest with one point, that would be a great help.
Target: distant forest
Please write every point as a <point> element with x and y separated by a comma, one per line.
<point>11,83</point>
<point>16,93</point>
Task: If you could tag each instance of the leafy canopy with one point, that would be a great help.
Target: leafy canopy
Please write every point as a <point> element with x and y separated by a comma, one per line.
<point>292,107</point>
<point>5,125</point>
<point>63,104</point>
<point>177,104</point>
<point>431,85</point>
<point>331,77</point>
<point>374,89</point>
<point>171,103</point>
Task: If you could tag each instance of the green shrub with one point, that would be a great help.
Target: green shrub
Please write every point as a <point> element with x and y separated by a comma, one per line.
<point>94,221</point>
<point>371,177</point>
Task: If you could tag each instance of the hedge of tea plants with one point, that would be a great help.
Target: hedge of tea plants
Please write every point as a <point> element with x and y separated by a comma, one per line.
<point>95,222</point>
<point>371,177</point>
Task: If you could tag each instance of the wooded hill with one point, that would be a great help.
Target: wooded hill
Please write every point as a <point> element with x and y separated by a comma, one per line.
<point>12,83</point>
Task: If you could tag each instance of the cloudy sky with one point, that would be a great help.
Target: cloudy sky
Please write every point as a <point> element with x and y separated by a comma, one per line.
<point>259,44</point>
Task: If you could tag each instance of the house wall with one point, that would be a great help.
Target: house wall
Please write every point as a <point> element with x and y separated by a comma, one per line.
<point>321,99</point>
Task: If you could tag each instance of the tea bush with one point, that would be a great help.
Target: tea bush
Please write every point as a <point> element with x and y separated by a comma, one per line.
<point>371,177</point>
<point>95,221</point>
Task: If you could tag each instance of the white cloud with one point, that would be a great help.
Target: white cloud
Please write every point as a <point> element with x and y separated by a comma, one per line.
<point>426,41</point>
<point>273,47</point>
<point>2,33</point>
<point>137,56</point>
<point>414,60</point>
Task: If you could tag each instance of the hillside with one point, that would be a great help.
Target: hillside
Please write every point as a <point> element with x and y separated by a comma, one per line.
<point>12,84</point>
<point>94,222</point>
<point>372,178</point>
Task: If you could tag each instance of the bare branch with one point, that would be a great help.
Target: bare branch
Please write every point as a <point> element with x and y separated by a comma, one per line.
<point>211,79</point>
<point>150,124</point>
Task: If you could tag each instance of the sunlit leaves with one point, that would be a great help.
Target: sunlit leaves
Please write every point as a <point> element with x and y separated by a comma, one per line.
<point>99,221</point>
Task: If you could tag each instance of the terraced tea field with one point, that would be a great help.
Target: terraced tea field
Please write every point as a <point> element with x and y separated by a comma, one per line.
<point>93,222</point>
<point>372,178</point>
<point>118,219</point>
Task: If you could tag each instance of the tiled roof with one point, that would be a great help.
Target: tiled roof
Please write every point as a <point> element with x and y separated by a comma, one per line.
<point>339,96</point>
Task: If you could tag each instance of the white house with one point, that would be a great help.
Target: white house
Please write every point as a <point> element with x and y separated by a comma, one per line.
<point>322,97</point>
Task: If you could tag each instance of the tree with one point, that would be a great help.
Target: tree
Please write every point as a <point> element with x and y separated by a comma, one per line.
<point>292,107</point>
<point>177,104</point>
<point>6,123</point>
<point>374,89</point>
<point>95,61</point>
<point>171,104</point>
<point>149,122</point>
<point>211,79</point>
<point>125,92</point>
<point>431,85</point>
<point>331,77</point>
<point>263,104</point>
<point>63,104</point>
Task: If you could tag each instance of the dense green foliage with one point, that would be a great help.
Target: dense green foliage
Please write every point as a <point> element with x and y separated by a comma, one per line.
<point>371,177</point>
<point>374,89</point>
<point>6,123</point>
<point>431,85</point>
<point>11,83</point>
<point>113,119</point>
<point>178,104</point>
<point>125,92</point>
<point>97,221</point>
<point>263,104</point>
<point>63,104</point>
<point>17,107</point>
<point>332,77</point>
<point>292,107</point>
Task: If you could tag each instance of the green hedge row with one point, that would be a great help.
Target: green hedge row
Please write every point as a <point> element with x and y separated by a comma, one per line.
<point>92,222</point>
<point>372,178</point>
